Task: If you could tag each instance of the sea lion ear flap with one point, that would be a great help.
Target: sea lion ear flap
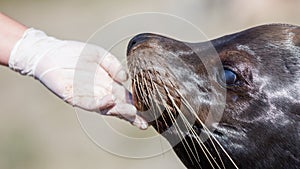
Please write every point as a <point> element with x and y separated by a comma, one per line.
<point>296,38</point>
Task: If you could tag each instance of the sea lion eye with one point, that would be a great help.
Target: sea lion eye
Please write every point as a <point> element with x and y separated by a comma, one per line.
<point>229,77</point>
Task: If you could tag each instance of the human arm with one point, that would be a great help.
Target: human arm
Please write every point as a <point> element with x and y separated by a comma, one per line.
<point>83,75</point>
<point>10,32</point>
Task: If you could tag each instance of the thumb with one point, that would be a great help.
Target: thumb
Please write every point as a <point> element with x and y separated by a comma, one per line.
<point>129,113</point>
<point>113,66</point>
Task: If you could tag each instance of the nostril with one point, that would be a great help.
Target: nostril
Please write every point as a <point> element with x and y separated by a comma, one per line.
<point>138,39</point>
<point>133,43</point>
<point>130,45</point>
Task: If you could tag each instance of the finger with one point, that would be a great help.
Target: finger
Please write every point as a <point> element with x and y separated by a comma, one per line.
<point>105,102</point>
<point>114,88</point>
<point>112,65</point>
<point>140,123</point>
<point>129,113</point>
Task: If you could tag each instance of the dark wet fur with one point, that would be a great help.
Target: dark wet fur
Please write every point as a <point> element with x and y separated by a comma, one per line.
<point>260,125</point>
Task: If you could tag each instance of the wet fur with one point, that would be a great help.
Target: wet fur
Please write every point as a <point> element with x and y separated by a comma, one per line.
<point>260,125</point>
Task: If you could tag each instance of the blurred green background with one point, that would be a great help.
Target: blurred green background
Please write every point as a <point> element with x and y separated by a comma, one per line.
<point>37,130</point>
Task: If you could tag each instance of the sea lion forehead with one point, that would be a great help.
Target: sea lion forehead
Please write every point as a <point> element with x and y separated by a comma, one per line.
<point>263,43</point>
<point>296,38</point>
<point>257,36</point>
<point>272,31</point>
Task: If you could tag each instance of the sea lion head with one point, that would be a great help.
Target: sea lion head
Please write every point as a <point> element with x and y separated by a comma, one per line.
<point>251,81</point>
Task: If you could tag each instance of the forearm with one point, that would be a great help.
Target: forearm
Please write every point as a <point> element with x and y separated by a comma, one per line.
<point>10,32</point>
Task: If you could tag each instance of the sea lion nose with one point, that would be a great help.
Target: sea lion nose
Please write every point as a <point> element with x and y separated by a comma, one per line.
<point>138,39</point>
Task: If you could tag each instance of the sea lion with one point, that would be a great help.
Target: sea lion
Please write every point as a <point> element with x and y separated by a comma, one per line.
<point>259,126</point>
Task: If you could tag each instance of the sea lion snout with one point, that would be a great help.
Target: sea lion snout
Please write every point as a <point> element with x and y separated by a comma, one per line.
<point>161,69</point>
<point>154,84</point>
<point>138,39</point>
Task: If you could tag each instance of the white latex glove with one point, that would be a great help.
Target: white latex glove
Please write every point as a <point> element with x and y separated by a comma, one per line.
<point>83,75</point>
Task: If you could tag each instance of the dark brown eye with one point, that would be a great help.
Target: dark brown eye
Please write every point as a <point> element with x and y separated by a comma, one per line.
<point>228,77</point>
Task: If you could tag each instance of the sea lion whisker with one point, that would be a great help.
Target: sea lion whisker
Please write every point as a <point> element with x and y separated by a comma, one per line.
<point>182,137</point>
<point>156,121</point>
<point>138,87</point>
<point>144,86</point>
<point>205,128</point>
<point>157,91</point>
<point>152,84</point>
<point>133,65</point>
<point>185,102</point>
<point>181,133</point>
<point>199,141</point>
<point>178,128</point>
<point>185,143</point>
<point>152,105</point>
<point>250,66</point>
<point>201,144</point>
<point>166,107</point>
<point>186,123</point>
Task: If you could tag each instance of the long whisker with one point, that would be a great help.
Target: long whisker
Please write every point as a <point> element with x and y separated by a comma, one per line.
<point>201,144</point>
<point>186,123</point>
<point>182,137</point>
<point>150,103</point>
<point>183,117</point>
<point>204,127</point>
<point>151,96</point>
<point>153,101</point>
<point>192,110</point>
<point>156,89</point>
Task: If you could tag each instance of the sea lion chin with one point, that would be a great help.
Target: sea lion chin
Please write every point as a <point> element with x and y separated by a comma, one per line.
<point>258,84</point>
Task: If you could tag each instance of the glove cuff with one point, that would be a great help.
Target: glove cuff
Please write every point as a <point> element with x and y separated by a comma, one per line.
<point>28,51</point>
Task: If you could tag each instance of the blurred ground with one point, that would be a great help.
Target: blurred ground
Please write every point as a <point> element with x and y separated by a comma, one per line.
<point>39,131</point>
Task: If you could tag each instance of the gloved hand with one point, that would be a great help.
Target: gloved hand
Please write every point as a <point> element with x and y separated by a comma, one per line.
<point>83,75</point>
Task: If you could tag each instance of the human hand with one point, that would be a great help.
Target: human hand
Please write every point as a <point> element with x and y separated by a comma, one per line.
<point>83,75</point>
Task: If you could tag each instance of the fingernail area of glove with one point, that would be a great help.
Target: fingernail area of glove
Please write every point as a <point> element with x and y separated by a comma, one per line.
<point>122,76</point>
<point>106,102</point>
<point>140,123</point>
